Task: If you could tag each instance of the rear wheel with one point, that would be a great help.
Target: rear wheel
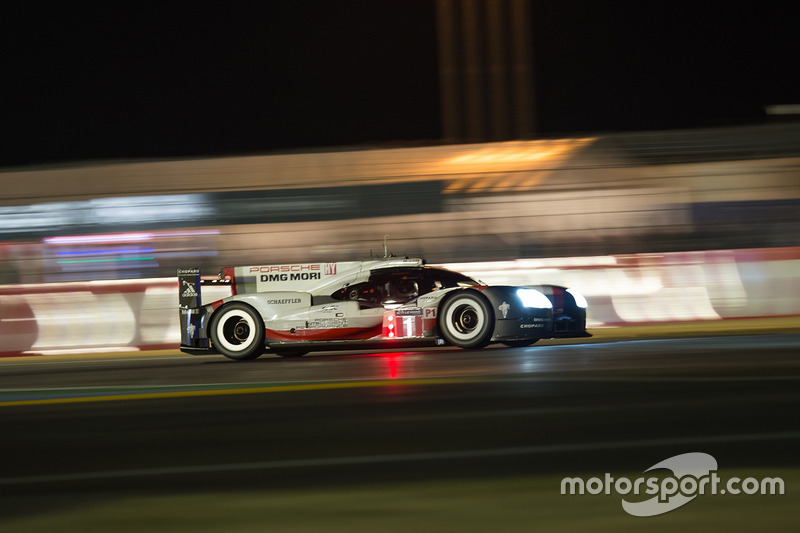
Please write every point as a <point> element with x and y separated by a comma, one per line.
<point>466,320</point>
<point>237,332</point>
<point>520,344</point>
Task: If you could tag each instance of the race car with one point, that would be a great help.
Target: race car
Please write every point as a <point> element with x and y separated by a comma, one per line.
<point>291,309</point>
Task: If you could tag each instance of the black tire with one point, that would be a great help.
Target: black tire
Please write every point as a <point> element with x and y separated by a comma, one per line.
<point>466,320</point>
<point>237,332</point>
<point>520,344</point>
<point>288,352</point>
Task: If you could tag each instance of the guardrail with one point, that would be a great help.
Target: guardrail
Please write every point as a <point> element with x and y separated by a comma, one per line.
<point>136,315</point>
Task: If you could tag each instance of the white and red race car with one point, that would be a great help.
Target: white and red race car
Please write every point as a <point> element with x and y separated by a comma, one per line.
<point>291,309</point>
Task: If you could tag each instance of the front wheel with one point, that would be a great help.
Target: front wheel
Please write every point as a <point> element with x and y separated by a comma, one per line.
<point>466,320</point>
<point>237,332</point>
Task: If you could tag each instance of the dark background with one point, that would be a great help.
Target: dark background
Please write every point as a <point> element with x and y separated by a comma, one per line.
<point>136,79</point>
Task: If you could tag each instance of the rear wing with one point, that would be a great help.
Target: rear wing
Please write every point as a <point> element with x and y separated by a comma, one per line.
<point>190,283</point>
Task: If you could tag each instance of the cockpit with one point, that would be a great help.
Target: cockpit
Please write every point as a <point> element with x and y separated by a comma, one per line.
<point>393,287</point>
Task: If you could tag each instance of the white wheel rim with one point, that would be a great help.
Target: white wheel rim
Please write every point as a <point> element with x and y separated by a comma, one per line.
<point>235,314</point>
<point>481,319</point>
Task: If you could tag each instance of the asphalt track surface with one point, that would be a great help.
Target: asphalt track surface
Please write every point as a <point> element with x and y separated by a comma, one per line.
<point>82,427</point>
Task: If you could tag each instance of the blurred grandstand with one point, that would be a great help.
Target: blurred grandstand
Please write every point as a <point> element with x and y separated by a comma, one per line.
<point>651,192</point>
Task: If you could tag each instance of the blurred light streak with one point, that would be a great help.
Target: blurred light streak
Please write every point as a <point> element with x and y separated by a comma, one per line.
<point>515,162</point>
<point>190,254</point>
<point>99,239</point>
<point>393,366</point>
<point>786,109</point>
<point>107,252</point>
<point>555,262</point>
<point>519,152</point>
<point>70,351</point>
<point>146,209</point>
<point>108,260</point>
<point>189,233</point>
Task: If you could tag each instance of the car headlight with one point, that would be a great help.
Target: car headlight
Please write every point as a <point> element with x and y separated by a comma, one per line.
<point>534,298</point>
<point>580,301</point>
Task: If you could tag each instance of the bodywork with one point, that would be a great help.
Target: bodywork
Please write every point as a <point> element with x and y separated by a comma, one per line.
<point>394,301</point>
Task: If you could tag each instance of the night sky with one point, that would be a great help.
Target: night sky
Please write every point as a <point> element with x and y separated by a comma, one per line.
<point>126,80</point>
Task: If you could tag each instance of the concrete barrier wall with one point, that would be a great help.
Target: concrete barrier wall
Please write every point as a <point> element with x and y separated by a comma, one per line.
<point>622,289</point>
<point>92,316</point>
